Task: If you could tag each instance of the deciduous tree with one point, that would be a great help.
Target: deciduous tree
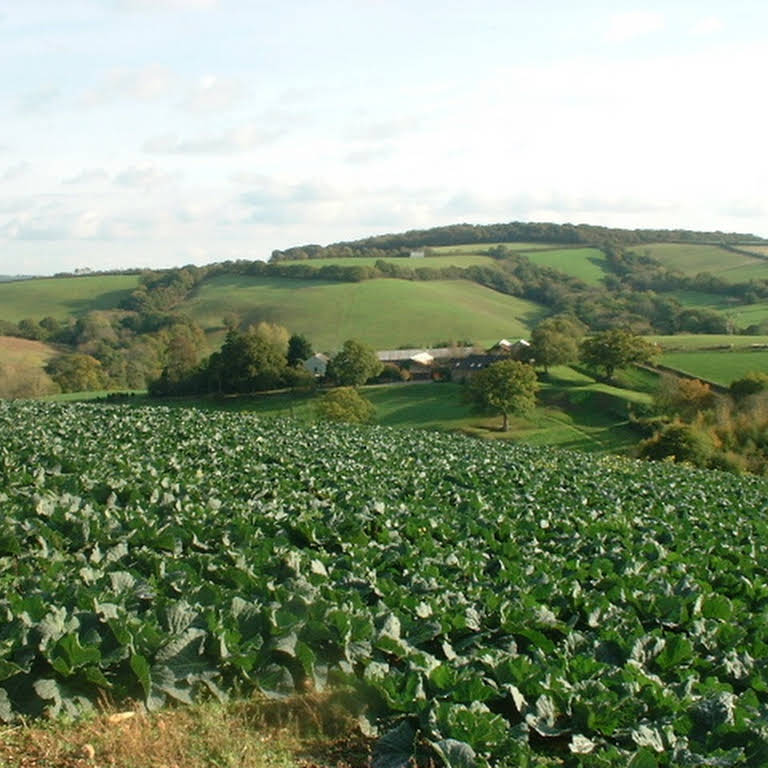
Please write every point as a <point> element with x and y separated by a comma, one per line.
<point>506,387</point>
<point>617,348</point>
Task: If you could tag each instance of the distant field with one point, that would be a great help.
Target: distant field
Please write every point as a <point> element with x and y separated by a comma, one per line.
<point>14,351</point>
<point>61,297</point>
<point>692,259</point>
<point>695,299</point>
<point>22,371</point>
<point>483,247</point>
<point>761,250</point>
<point>446,260</point>
<point>385,313</point>
<point>706,341</point>
<point>587,264</point>
<point>721,367</point>
<point>691,341</point>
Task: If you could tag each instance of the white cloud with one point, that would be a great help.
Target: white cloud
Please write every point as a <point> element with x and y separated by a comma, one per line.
<point>38,100</point>
<point>707,26</point>
<point>147,84</point>
<point>146,178</point>
<point>212,93</point>
<point>15,172</point>
<point>243,139</point>
<point>628,26</point>
<point>87,176</point>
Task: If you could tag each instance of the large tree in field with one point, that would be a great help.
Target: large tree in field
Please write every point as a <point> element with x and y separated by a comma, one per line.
<point>555,341</point>
<point>505,387</point>
<point>354,364</point>
<point>617,348</point>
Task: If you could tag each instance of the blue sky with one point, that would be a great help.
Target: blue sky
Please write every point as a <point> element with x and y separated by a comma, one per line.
<point>166,132</point>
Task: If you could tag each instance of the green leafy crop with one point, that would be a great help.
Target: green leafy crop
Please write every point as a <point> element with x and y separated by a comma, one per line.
<point>486,603</point>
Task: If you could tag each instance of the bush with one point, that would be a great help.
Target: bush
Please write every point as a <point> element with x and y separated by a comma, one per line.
<point>345,404</point>
<point>680,442</point>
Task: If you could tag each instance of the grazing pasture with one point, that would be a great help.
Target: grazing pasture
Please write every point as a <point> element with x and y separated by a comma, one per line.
<point>720,366</point>
<point>587,264</point>
<point>61,297</point>
<point>385,313</point>
<point>692,259</point>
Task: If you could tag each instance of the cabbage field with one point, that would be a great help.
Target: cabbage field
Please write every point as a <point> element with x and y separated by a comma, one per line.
<point>479,602</point>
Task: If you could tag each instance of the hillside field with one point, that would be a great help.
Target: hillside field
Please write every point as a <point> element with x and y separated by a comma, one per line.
<point>22,364</point>
<point>61,297</point>
<point>457,259</point>
<point>693,259</point>
<point>722,367</point>
<point>384,313</point>
<point>587,264</point>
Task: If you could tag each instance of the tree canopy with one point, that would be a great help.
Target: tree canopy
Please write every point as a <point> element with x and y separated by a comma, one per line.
<point>506,387</point>
<point>354,364</point>
<point>616,348</point>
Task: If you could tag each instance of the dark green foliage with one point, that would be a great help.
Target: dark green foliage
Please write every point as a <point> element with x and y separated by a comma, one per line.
<point>614,349</point>
<point>487,603</point>
<point>751,384</point>
<point>680,442</point>
<point>354,364</point>
<point>506,387</point>
<point>299,350</point>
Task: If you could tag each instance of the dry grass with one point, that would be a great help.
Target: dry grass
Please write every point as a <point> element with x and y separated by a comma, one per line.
<point>306,731</point>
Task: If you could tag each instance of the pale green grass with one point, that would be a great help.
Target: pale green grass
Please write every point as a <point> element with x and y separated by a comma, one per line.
<point>587,264</point>
<point>436,262</point>
<point>384,313</point>
<point>760,250</point>
<point>700,299</point>
<point>721,367</point>
<point>483,247</point>
<point>692,259</point>
<point>703,341</point>
<point>61,297</point>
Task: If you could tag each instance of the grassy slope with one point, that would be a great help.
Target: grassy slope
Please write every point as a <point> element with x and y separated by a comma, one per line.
<point>574,411</point>
<point>25,352</point>
<point>702,341</point>
<point>587,264</point>
<point>383,313</point>
<point>692,259</point>
<point>60,297</point>
<point>22,371</point>
<point>483,247</point>
<point>458,259</point>
<point>722,367</point>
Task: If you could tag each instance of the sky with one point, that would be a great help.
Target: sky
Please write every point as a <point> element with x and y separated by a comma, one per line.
<point>158,133</point>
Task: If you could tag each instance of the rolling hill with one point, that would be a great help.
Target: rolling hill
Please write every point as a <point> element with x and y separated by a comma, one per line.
<point>385,313</point>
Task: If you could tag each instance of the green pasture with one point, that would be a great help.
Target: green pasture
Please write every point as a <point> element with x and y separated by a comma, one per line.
<point>385,313</point>
<point>691,259</point>
<point>61,297</point>
<point>484,247</point>
<point>436,262</point>
<point>705,341</point>
<point>574,410</point>
<point>702,300</point>
<point>720,366</point>
<point>587,264</point>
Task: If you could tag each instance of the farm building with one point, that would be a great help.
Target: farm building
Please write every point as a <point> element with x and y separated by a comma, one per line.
<point>464,369</point>
<point>317,364</point>
<point>517,350</point>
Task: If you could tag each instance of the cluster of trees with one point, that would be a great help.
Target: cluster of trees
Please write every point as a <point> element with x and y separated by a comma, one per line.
<point>264,357</point>
<point>695,425</point>
<point>516,231</point>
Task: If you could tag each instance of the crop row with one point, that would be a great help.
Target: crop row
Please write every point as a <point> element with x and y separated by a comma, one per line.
<point>483,602</point>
